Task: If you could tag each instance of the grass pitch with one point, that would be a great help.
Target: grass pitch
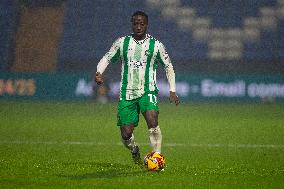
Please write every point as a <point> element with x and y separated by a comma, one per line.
<point>77,145</point>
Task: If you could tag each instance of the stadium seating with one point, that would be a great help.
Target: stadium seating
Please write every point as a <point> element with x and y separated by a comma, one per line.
<point>191,30</point>
<point>7,29</point>
<point>231,30</point>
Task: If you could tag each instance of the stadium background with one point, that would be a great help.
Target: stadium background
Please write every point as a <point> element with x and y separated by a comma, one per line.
<point>56,132</point>
<point>221,50</point>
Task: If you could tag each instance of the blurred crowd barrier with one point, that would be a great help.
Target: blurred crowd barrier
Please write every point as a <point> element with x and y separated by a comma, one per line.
<point>197,87</point>
<point>220,49</point>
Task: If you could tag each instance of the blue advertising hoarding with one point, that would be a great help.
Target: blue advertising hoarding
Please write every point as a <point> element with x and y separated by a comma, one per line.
<point>191,87</point>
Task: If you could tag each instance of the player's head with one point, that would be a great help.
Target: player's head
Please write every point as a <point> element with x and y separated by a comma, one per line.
<point>139,13</point>
<point>139,24</point>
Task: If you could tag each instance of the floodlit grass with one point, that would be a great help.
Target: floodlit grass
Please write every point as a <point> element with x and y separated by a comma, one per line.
<point>77,145</point>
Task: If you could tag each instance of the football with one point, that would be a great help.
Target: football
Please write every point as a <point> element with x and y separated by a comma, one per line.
<point>154,161</point>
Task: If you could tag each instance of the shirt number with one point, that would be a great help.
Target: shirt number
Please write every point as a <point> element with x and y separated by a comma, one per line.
<point>152,98</point>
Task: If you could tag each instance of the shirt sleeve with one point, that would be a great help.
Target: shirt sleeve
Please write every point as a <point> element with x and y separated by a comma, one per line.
<point>111,56</point>
<point>164,59</point>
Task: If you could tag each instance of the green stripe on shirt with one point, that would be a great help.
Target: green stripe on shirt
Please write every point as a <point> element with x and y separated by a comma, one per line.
<point>116,56</point>
<point>125,69</point>
<point>150,55</point>
<point>160,59</point>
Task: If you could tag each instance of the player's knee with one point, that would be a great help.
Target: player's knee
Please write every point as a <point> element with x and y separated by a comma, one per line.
<point>151,119</point>
<point>152,123</point>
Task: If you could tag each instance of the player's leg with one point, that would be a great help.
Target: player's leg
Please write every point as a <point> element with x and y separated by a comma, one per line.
<point>155,134</point>
<point>150,110</point>
<point>128,118</point>
<point>127,138</point>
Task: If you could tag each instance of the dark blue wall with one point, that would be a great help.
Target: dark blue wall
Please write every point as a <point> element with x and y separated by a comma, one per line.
<point>92,26</point>
<point>8,18</point>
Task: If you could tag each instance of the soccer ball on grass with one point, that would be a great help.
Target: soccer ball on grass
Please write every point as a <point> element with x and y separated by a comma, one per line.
<point>154,161</point>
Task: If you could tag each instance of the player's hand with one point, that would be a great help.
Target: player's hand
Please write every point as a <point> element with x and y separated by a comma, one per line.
<point>174,98</point>
<point>99,78</point>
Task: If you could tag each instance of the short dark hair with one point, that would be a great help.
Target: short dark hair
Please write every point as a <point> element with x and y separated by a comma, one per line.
<point>140,13</point>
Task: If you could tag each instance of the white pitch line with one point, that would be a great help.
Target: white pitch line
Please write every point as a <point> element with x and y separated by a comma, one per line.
<point>145,144</point>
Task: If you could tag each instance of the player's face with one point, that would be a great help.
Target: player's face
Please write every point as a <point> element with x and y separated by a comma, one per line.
<point>139,27</point>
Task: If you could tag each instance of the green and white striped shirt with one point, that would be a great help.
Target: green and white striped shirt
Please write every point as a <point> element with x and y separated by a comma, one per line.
<point>139,62</point>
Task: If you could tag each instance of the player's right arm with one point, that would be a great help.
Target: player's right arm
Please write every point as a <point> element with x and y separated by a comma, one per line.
<point>111,56</point>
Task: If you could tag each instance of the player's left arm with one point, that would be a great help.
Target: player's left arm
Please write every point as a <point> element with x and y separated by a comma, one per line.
<point>165,60</point>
